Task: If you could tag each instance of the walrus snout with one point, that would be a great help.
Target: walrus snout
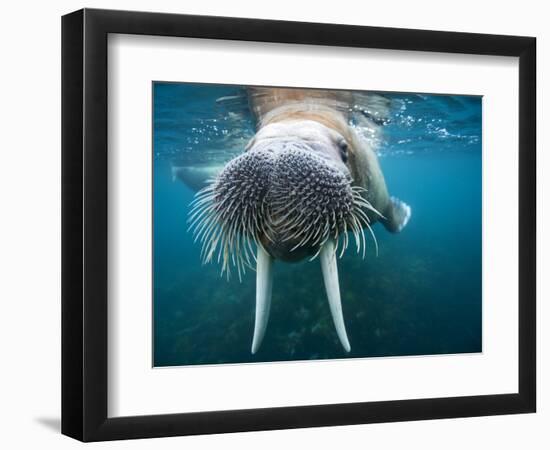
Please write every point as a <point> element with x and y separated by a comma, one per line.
<point>290,200</point>
<point>309,199</point>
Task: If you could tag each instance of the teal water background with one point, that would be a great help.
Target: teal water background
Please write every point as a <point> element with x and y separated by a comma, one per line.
<point>420,296</point>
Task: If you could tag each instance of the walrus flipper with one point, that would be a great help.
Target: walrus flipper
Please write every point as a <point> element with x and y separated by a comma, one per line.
<point>397,215</point>
<point>195,177</point>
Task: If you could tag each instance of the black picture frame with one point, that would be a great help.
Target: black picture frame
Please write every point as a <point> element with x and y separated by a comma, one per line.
<point>84,224</point>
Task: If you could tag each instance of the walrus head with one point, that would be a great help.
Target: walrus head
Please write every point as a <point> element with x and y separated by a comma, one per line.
<point>290,195</point>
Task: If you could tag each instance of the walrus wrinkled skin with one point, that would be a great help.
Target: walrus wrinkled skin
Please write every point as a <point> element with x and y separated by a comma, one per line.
<point>305,182</point>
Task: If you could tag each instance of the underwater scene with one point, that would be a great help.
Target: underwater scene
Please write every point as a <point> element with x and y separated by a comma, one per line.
<point>296,224</point>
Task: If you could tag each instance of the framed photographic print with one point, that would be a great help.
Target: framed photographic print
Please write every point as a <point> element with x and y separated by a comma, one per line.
<point>274,224</point>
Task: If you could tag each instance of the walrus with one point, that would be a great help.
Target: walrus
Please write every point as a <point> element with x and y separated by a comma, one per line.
<point>305,186</point>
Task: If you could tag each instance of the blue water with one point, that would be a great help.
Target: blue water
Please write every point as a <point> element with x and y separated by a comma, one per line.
<point>421,295</point>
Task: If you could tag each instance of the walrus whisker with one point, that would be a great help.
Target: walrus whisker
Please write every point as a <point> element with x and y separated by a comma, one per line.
<point>216,236</point>
<point>227,235</point>
<point>203,198</point>
<point>282,219</point>
<point>361,220</point>
<point>202,194</point>
<point>319,234</point>
<point>236,255</point>
<point>267,230</point>
<point>363,245</point>
<point>251,250</point>
<point>207,192</point>
<point>277,199</point>
<point>198,222</point>
<point>325,235</point>
<point>294,232</point>
<point>241,235</point>
<point>313,231</point>
<point>196,226</point>
<point>295,235</point>
<point>271,232</point>
<point>364,240</point>
<point>355,233</point>
<point>207,235</point>
<point>299,244</point>
<point>216,223</point>
<point>373,238</point>
<point>315,255</point>
<point>297,227</point>
<point>225,265</point>
<point>226,203</point>
<point>203,232</point>
<point>219,235</point>
<point>211,247</point>
<point>204,249</point>
<point>344,245</point>
<point>197,209</point>
<point>242,250</point>
<point>204,229</point>
<point>359,200</point>
<point>361,214</point>
<point>309,231</point>
<point>229,232</point>
<point>226,256</point>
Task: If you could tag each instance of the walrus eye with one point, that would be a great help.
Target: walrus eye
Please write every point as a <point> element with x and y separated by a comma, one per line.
<point>343,145</point>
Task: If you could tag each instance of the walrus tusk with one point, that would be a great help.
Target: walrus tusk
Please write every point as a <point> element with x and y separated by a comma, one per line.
<point>264,284</point>
<point>330,277</point>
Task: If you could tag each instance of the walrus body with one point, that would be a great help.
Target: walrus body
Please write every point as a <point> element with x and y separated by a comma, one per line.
<point>304,183</point>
